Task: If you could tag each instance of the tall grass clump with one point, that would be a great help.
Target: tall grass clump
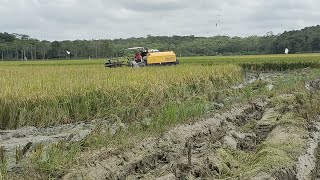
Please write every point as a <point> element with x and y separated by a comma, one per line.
<point>51,95</point>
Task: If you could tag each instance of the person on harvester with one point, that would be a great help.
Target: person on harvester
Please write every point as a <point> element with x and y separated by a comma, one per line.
<point>138,57</point>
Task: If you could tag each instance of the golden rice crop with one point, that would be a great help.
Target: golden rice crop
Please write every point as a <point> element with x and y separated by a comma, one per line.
<point>261,62</point>
<point>50,95</point>
<point>277,58</point>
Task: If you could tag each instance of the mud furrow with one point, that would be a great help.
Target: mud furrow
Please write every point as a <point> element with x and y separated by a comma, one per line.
<point>316,171</point>
<point>308,166</point>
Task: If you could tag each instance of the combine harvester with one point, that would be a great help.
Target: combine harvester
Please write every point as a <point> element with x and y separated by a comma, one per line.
<point>145,57</point>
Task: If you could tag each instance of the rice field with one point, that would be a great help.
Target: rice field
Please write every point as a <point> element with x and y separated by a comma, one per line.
<point>279,58</point>
<point>44,93</point>
<point>50,95</point>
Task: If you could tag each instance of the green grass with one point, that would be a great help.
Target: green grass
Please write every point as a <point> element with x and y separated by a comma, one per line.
<point>171,115</point>
<point>56,159</point>
<point>3,164</point>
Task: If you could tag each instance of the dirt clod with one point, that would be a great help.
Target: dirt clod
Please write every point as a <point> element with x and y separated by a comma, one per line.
<point>230,142</point>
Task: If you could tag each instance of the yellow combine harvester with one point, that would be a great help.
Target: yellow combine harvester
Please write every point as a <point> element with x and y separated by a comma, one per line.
<point>145,57</point>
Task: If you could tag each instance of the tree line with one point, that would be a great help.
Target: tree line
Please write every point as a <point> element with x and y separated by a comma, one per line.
<point>22,47</point>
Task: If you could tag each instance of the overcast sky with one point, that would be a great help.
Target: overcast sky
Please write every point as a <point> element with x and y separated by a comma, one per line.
<point>109,19</point>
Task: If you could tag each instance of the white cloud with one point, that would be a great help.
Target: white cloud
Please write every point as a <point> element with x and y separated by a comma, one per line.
<point>99,19</point>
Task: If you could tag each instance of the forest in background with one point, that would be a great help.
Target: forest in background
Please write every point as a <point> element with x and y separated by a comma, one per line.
<point>23,47</point>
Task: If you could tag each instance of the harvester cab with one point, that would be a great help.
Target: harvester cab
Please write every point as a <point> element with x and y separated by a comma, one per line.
<point>139,58</point>
<point>145,57</point>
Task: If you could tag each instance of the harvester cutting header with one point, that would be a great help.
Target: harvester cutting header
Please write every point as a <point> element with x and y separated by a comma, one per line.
<point>145,57</point>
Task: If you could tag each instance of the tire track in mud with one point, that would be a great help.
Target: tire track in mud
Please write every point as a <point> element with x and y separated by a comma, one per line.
<point>308,166</point>
<point>167,157</point>
<point>316,172</point>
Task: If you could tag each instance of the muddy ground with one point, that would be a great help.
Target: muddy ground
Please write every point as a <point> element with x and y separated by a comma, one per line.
<point>186,151</point>
<point>201,150</point>
<point>26,139</point>
<point>256,140</point>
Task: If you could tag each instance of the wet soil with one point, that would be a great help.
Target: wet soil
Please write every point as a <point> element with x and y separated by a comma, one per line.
<point>27,138</point>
